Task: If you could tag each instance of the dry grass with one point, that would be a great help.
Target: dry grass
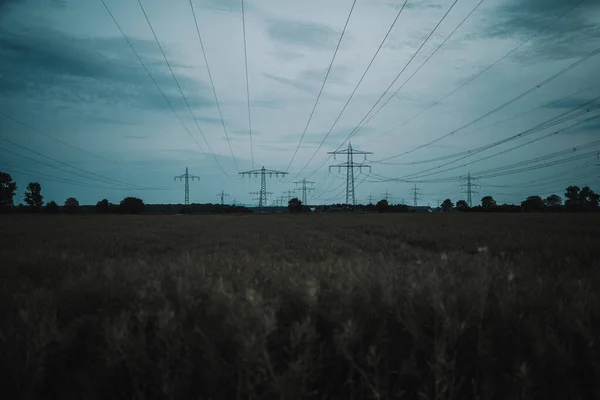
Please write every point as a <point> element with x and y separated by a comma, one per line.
<point>310,306</point>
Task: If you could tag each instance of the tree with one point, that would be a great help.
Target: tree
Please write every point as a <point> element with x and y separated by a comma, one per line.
<point>295,206</point>
<point>382,206</point>
<point>52,207</point>
<point>533,203</point>
<point>71,205</point>
<point>462,205</point>
<point>553,201</point>
<point>588,199</point>
<point>488,202</point>
<point>7,191</point>
<point>572,196</point>
<point>447,205</point>
<point>33,196</point>
<point>132,205</point>
<point>103,206</point>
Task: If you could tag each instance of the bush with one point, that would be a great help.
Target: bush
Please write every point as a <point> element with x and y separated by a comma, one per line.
<point>131,205</point>
<point>52,207</point>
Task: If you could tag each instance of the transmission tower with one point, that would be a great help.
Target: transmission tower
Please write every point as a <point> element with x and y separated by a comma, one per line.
<point>305,188</point>
<point>186,178</point>
<point>262,194</point>
<point>350,165</point>
<point>222,195</point>
<point>370,198</point>
<point>416,194</point>
<point>386,195</point>
<point>290,194</point>
<point>470,188</point>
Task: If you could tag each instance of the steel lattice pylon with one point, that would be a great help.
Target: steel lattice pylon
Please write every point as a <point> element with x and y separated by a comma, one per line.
<point>262,195</point>
<point>350,165</point>
<point>186,178</point>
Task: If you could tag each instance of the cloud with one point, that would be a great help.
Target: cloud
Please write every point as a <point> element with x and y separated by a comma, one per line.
<point>526,17</point>
<point>48,64</point>
<point>301,33</point>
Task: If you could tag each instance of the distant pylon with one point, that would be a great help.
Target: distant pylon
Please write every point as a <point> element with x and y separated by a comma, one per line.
<point>304,188</point>
<point>470,188</point>
<point>350,165</point>
<point>262,194</point>
<point>370,198</point>
<point>416,195</point>
<point>186,178</point>
<point>222,195</point>
<point>386,195</point>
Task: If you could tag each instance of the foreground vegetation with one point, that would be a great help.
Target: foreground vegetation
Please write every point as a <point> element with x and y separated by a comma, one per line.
<point>430,306</point>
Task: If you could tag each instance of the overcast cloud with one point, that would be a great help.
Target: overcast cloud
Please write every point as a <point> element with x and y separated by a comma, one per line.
<point>67,71</point>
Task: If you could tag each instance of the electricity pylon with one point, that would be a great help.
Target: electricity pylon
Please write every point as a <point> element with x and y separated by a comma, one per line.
<point>416,195</point>
<point>386,195</point>
<point>222,195</point>
<point>370,198</point>
<point>350,165</point>
<point>262,194</point>
<point>186,178</point>
<point>470,188</point>
<point>305,188</point>
<point>290,194</point>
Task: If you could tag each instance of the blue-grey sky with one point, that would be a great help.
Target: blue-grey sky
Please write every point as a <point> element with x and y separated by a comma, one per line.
<point>67,72</point>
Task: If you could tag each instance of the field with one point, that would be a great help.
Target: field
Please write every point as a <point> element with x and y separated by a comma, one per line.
<point>415,306</point>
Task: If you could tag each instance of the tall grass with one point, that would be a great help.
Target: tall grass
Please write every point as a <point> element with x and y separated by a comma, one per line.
<point>327,307</point>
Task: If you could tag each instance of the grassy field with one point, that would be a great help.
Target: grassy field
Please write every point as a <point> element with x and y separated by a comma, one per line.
<point>428,306</point>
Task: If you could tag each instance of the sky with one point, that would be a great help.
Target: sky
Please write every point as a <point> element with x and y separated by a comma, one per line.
<point>512,97</point>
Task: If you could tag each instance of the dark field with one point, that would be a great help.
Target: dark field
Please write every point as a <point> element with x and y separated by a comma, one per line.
<point>432,306</point>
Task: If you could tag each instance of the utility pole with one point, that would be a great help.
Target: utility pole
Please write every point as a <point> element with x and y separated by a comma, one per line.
<point>222,195</point>
<point>262,194</point>
<point>304,189</point>
<point>403,201</point>
<point>186,178</point>
<point>470,188</point>
<point>350,165</point>
<point>416,195</point>
<point>234,202</point>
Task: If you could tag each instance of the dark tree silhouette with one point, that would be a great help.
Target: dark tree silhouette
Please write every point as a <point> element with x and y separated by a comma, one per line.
<point>132,205</point>
<point>295,206</point>
<point>52,207</point>
<point>588,199</point>
<point>553,201</point>
<point>103,206</point>
<point>33,196</point>
<point>71,205</point>
<point>462,205</point>
<point>382,206</point>
<point>447,205</point>
<point>488,202</point>
<point>572,197</point>
<point>533,203</point>
<point>7,191</point>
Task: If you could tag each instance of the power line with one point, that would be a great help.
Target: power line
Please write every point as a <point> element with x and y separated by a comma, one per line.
<point>247,83</point>
<point>36,130</point>
<point>470,153</point>
<point>354,91</point>
<point>446,157</point>
<point>480,73</point>
<point>323,85</point>
<point>212,84</point>
<point>358,126</point>
<point>101,178</point>
<point>520,96</point>
<point>179,87</point>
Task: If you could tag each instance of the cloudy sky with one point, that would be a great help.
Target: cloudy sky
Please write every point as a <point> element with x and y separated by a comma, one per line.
<point>512,95</point>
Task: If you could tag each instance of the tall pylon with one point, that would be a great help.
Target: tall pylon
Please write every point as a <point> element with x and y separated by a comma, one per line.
<point>416,195</point>
<point>370,198</point>
<point>222,195</point>
<point>290,194</point>
<point>305,188</point>
<point>350,165</point>
<point>386,195</point>
<point>186,178</point>
<point>262,194</point>
<point>470,188</point>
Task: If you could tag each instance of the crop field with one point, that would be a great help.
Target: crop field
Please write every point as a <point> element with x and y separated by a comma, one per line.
<point>365,306</point>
